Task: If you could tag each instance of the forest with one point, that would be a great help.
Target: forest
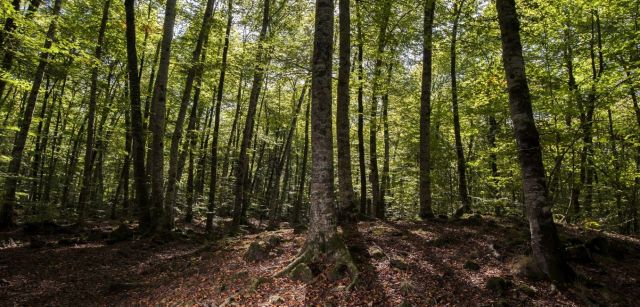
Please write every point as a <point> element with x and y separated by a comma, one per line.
<point>319,153</point>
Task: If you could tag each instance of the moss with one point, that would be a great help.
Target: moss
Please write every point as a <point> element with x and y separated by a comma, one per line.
<point>301,272</point>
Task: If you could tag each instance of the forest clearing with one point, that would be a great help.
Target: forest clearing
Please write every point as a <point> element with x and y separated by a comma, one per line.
<point>319,153</point>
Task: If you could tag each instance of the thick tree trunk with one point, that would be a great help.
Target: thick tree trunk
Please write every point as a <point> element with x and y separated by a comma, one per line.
<point>545,244</point>
<point>160,213</point>
<point>323,243</point>
<point>243,159</point>
<point>462,165</point>
<point>13,172</point>
<point>93,100</point>
<point>426,210</point>
<point>137,125</point>
<point>346,197</point>
<point>176,139</point>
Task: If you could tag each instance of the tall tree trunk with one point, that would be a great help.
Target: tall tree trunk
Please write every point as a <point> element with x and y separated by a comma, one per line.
<point>234,128</point>
<point>462,165</point>
<point>7,32</point>
<point>361,150</point>
<point>280,162</point>
<point>137,125</point>
<point>385,187</point>
<point>545,244</point>
<point>247,135</point>
<point>93,100</point>
<point>323,243</point>
<point>160,213</point>
<point>426,210</point>
<point>13,172</point>
<point>295,217</point>
<point>378,202</point>
<point>176,138</point>
<point>216,124</point>
<point>38,150</point>
<point>346,198</point>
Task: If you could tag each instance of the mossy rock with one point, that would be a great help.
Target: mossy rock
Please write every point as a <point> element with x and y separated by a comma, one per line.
<point>471,266</point>
<point>526,266</point>
<point>302,273</point>
<point>257,251</point>
<point>399,264</point>
<point>526,289</point>
<point>498,284</point>
<point>275,240</point>
<point>376,253</point>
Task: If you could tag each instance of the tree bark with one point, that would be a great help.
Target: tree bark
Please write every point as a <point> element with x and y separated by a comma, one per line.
<point>176,139</point>
<point>216,125</point>
<point>346,198</point>
<point>247,134</point>
<point>160,213</point>
<point>426,210</point>
<point>295,218</point>
<point>462,165</point>
<point>93,97</point>
<point>545,244</point>
<point>9,27</point>
<point>137,125</point>
<point>378,202</point>
<point>280,162</point>
<point>13,172</point>
<point>361,150</point>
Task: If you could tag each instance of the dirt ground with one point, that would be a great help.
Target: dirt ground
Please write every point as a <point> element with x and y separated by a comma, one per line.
<point>436,263</point>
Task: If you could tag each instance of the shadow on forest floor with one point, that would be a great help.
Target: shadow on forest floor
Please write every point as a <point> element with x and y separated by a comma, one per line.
<point>418,263</point>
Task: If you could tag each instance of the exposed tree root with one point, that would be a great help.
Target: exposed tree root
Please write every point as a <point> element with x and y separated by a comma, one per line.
<point>333,254</point>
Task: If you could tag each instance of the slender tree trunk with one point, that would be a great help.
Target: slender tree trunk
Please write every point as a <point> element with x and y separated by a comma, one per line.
<point>137,125</point>
<point>234,128</point>
<point>176,139</point>
<point>216,124</point>
<point>545,244</point>
<point>13,172</point>
<point>247,135</point>
<point>160,213</point>
<point>361,150</point>
<point>280,162</point>
<point>493,159</point>
<point>426,210</point>
<point>295,218</point>
<point>38,150</point>
<point>385,188</point>
<point>346,198</point>
<point>5,37</point>
<point>462,166</point>
<point>93,100</point>
<point>378,202</point>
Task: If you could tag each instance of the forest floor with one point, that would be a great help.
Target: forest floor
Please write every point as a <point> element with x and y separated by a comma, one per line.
<point>469,262</point>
